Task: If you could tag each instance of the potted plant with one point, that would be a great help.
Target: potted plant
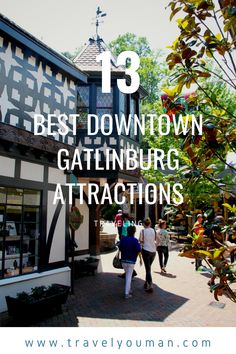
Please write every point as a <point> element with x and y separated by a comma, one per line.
<point>41,301</point>
<point>86,266</point>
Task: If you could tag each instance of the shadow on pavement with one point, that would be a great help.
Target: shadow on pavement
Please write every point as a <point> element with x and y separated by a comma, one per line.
<point>102,297</point>
<point>207,275</point>
<point>167,275</point>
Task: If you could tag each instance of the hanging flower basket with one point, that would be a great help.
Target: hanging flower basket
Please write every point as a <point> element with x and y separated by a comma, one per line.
<point>75,218</point>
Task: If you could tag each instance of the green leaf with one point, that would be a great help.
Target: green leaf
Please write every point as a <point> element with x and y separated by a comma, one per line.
<point>205,253</point>
<point>203,74</point>
<point>188,53</point>
<point>217,253</point>
<point>174,12</point>
<point>188,254</point>
<point>213,97</point>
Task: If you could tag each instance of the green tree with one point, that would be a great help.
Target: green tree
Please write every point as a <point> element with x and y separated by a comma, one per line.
<point>109,211</point>
<point>153,69</point>
<point>197,190</point>
<point>70,55</point>
<point>129,41</point>
<point>202,55</point>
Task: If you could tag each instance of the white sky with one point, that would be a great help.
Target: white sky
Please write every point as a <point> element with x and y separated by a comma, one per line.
<point>66,24</point>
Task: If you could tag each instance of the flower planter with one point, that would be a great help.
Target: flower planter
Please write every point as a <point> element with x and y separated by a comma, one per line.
<point>85,266</point>
<point>32,308</point>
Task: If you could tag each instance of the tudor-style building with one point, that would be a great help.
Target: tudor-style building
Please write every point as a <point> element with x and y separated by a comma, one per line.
<point>92,100</point>
<point>34,233</point>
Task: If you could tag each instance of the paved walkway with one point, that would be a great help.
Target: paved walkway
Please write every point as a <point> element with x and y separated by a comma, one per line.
<point>181,298</point>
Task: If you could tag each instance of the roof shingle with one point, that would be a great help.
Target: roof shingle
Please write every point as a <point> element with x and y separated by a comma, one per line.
<point>86,59</point>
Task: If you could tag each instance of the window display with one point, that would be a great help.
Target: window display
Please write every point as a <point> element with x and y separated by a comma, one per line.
<point>19,231</point>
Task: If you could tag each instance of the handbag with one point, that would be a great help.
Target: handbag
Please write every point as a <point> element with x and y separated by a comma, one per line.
<point>117,261</point>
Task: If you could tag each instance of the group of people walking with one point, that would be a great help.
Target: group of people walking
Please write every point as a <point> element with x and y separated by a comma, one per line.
<point>150,241</point>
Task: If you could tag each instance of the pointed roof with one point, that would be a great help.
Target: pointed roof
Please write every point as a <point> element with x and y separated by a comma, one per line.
<point>86,59</point>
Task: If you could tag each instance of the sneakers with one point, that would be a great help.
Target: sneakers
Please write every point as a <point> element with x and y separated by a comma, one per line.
<point>128,296</point>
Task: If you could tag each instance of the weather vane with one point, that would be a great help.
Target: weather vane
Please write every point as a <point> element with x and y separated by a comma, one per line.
<point>99,15</point>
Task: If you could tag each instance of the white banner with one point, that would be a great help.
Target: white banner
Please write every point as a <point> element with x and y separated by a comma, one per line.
<point>116,340</point>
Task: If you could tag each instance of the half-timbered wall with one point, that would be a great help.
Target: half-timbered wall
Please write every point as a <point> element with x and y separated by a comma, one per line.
<point>34,79</point>
<point>29,84</point>
<point>52,264</point>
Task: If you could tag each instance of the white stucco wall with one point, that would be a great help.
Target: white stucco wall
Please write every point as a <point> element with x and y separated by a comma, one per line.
<point>82,234</point>
<point>7,166</point>
<point>56,176</point>
<point>31,171</point>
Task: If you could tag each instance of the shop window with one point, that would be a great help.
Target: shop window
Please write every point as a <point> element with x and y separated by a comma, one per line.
<point>2,195</point>
<point>19,231</point>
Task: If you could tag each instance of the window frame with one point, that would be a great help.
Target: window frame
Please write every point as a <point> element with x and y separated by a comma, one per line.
<point>79,109</point>
<point>20,238</point>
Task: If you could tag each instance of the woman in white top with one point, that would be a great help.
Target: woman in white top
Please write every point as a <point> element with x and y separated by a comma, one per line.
<point>148,242</point>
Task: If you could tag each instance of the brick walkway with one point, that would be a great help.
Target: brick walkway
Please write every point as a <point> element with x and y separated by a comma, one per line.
<point>181,298</point>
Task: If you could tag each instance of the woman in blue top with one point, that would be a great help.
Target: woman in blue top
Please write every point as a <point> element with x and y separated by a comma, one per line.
<point>130,248</point>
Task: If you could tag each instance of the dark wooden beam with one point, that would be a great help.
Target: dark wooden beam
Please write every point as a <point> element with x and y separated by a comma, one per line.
<point>13,135</point>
